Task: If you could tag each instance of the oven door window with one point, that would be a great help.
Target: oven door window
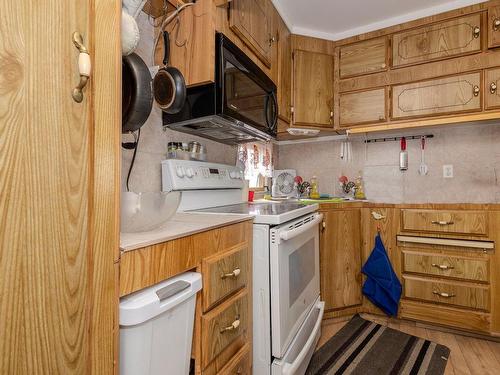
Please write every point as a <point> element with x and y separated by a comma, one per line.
<point>301,266</point>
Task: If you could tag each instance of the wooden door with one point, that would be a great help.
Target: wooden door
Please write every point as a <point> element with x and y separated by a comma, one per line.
<point>459,36</point>
<point>494,26</point>
<point>340,259</point>
<point>59,170</point>
<point>251,20</point>
<point>312,89</point>
<point>363,57</point>
<point>492,89</point>
<point>284,48</point>
<point>363,107</point>
<point>461,93</point>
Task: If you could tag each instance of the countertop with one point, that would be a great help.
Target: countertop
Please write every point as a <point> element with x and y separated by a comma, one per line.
<point>181,225</point>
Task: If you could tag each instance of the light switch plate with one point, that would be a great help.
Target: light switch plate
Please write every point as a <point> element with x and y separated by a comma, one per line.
<point>448,171</point>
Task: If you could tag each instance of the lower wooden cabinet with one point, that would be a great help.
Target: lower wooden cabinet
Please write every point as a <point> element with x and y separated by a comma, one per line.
<point>363,107</point>
<point>340,259</point>
<point>454,94</point>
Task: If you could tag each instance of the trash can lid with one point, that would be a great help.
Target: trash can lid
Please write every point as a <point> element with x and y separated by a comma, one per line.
<point>147,303</point>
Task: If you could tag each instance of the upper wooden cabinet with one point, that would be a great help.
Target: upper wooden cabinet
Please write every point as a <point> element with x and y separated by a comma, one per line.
<point>251,20</point>
<point>364,57</point>
<point>340,259</point>
<point>455,37</point>
<point>312,88</point>
<point>362,107</point>
<point>284,70</point>
<point>494,26</point>
<point>461,93</point>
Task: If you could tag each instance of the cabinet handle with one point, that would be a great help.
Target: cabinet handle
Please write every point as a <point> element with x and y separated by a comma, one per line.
<point>377,216</point>
<point>493,87</point>
<point>496,24</point>
<point>383,66</point>
<point>234,274</point>
<point>271,40</point>
<point>443,267</point>
<point>84,67</point>
<point>476,32</point>
<point>442,294</point>
<point>476,90</point>
<point>234,326</point>
<point>436,222</point>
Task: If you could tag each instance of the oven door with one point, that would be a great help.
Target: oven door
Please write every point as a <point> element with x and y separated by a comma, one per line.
<point>294,268</point>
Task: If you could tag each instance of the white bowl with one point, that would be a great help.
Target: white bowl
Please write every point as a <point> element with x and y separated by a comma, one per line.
<point>143,212</point>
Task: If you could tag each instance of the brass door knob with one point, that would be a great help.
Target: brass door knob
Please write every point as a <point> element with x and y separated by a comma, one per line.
<point>442,267</point>
<point>236,272</point>
<point>496,24</point>
<point>84,67</point>
<point>442,294</point>
<point>476,32</point>
<point>232,327</point>
<point>476,90</point>
<point>493,87</point>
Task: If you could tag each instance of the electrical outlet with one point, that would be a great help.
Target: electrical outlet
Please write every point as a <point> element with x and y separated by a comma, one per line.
<point>448,171</point>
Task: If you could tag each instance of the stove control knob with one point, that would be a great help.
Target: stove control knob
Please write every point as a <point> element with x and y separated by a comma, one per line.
<point>180,172</point>
<point>233,174</point>
<point>189,173</point>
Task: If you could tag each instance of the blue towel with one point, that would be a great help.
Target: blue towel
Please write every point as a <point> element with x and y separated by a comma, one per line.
<point>382,286</point>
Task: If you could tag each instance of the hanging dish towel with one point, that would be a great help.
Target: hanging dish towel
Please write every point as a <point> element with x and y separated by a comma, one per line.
<point>382,286</point>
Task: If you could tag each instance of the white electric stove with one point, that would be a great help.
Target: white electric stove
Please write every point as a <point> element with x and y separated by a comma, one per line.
<point>287,310</point>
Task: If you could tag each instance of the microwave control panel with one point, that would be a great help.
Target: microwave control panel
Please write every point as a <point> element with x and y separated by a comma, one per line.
<point>198,175</point>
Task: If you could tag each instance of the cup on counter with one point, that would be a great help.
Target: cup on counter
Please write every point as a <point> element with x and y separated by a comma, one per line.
<point>251,194</point>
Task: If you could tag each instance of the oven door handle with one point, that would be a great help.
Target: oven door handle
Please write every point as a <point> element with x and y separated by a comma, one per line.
<point>289,234</point>
<point>291,368</point>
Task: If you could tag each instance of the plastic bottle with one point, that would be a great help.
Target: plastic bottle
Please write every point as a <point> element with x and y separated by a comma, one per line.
<point>314,188</point>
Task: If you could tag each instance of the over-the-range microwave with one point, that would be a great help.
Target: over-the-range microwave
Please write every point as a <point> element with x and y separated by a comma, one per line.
<point>240,106</point>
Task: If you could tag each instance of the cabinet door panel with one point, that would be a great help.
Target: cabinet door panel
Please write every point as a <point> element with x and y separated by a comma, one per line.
<point>362,107</point>
<point>313,88</point>
<point>494,27</point>
<point>340,259</point>
<point>284,72</point>
<point>492,89</point>
<point>438,96</point>
<point>455,37</point>
<point>251,21</point>
<point>363,58</point>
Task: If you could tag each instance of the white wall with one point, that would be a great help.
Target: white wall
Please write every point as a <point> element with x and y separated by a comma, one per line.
<point>472,149</point>
<point>146,175</point>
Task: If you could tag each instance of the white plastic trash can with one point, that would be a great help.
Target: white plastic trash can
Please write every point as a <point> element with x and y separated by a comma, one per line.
<point>156,327</point>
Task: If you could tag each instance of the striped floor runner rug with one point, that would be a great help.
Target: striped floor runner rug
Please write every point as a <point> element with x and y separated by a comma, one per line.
<point>365,348</point>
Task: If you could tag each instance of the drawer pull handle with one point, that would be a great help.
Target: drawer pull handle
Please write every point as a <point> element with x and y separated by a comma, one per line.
<point>493,87</point>
<point>496,24</point>
<point>378,216</point>
<point>234,274</point>
<point>443,267</point>
<point>234,326</point>
<point>442,294</point>
<point>476,90</point>
<point>476,32</point>
<point>437,222</point>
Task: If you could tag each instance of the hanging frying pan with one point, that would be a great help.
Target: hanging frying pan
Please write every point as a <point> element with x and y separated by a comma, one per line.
<point>137,97</point>
<point>169,87</point>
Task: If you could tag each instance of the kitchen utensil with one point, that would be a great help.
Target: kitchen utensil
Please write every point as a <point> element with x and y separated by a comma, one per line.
<point>403,156</point>
<point>423,170</point>
<point>169,87</point>
<point>137,98</point>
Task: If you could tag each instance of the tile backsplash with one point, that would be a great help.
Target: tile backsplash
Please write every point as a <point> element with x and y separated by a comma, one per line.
<point>146,174</point>
<point>472,149</point>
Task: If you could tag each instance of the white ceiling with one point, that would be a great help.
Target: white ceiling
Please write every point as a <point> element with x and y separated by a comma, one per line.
<point>335,19</point>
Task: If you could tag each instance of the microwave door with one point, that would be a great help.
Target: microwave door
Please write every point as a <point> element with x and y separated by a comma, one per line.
<point>294,269</point>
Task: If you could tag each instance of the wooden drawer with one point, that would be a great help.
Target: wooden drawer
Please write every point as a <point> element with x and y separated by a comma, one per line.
<point>474,296</point>
<point>493,27</point>
<point>451,38</point>
<point>223,274</point>
<point>449,266</point>
<point>241,364</point>
<point>362,107</point>
<point>364,57</point>
<point>473,223</point>
<point>454,94</point>
<point>216,331</point>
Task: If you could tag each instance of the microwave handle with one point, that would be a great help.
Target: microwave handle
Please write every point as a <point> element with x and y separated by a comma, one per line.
<point>271,126</point>
<point>289,234</point>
